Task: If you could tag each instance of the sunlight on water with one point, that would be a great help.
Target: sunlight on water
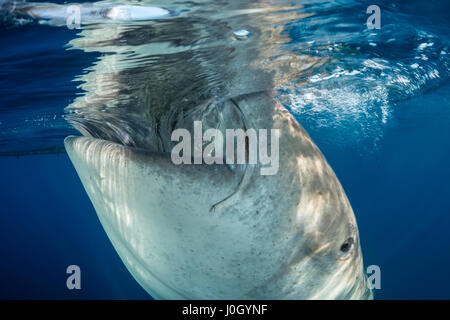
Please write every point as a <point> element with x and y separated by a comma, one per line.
<point>153,66</point>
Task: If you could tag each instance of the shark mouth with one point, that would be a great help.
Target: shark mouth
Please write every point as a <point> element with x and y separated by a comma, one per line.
<point>154,133</point>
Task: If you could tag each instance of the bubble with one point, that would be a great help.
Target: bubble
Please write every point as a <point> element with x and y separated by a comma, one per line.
<point>241,34</point>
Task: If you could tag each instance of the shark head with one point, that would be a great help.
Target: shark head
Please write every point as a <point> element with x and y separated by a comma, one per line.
<point>289,235</point>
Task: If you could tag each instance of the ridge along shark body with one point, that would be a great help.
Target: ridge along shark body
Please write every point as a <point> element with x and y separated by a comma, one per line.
<point>291,235</point>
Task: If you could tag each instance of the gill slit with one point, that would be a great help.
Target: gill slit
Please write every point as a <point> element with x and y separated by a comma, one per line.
<point>248,171</point>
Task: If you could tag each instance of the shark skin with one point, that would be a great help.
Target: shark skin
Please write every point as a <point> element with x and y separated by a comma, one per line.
<point>291,235</point>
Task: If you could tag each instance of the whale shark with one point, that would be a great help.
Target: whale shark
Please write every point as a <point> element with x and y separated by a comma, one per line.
<point>291,235</point>
<point>204,231</point>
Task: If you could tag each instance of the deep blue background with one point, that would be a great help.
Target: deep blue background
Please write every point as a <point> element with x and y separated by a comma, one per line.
<point>400,191</point>
<point>401,198</point>
<point>48,223</point>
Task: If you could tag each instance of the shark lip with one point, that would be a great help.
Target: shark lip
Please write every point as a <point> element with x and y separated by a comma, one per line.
<point>131,148</point>
<point>139,149</point>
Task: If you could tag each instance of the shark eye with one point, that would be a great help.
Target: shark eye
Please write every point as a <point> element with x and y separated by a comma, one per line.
<point>347,245</point>
<point>346,249</point>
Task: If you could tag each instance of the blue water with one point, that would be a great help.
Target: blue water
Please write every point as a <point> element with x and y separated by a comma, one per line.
<point>384,130</point>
